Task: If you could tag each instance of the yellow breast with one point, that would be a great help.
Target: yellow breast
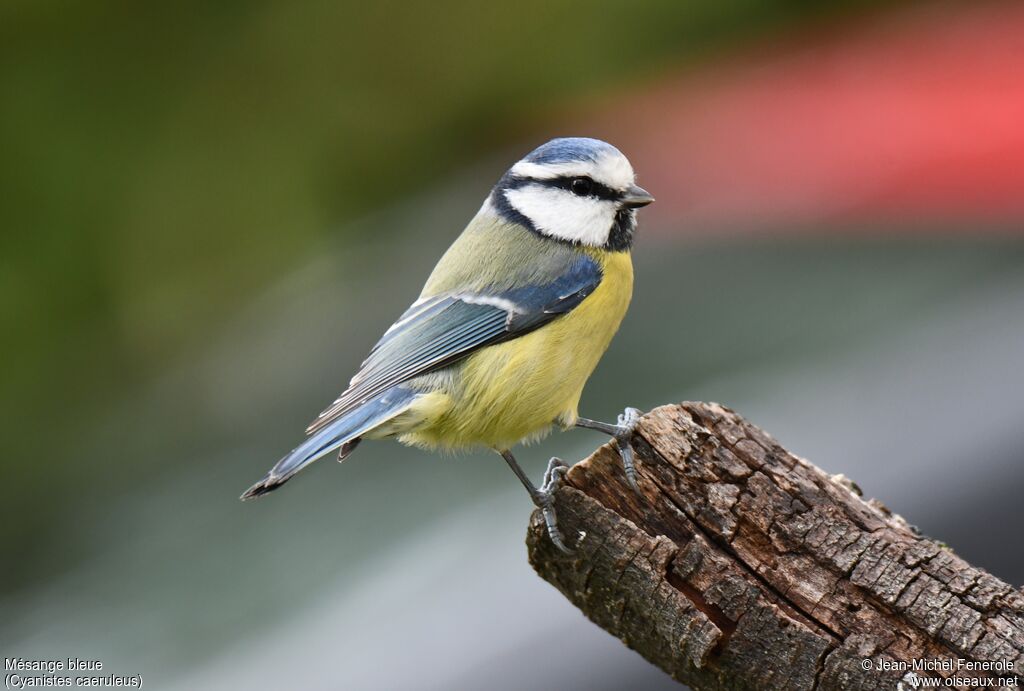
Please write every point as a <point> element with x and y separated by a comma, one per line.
<point>514,391</point>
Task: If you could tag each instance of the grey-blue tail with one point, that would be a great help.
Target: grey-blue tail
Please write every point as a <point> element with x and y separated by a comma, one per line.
<point>343,434</point>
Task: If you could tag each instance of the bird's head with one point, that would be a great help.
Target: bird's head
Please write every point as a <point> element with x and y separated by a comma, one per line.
<point>575,190</point>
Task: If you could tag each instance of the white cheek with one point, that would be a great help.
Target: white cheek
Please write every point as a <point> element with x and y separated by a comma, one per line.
<point>563,215</point>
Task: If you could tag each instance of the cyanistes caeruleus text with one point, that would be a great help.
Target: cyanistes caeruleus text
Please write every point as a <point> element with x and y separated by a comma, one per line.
<point>509,326</point>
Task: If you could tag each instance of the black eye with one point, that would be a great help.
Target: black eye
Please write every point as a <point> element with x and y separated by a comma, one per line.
<point>581,186</point>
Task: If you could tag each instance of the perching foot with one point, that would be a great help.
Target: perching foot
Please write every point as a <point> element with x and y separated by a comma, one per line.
<point>624,438</point>
<point>544,498</point>
<point>623,434</point>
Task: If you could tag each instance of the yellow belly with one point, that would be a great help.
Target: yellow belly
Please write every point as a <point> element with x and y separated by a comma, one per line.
<point>514,391</point>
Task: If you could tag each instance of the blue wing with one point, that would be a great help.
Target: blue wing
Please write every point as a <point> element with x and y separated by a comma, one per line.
<point>433,333</point>
<point>440,330</point>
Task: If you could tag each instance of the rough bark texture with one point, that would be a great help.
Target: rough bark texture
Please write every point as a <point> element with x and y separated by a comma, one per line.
<point>743,566</point>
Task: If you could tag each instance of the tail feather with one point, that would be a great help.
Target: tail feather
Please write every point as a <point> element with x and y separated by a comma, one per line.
<point>343,434</point>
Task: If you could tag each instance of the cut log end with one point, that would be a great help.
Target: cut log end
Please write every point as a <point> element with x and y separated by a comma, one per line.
<point>743,566</point>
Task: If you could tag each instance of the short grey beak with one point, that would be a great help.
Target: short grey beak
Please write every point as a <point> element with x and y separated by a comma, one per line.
<point>636,196</point>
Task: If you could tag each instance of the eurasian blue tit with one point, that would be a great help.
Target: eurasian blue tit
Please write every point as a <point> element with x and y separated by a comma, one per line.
<point>509,326</point>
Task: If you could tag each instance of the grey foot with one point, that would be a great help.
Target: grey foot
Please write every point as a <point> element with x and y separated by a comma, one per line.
<point>624,439</point>
<point>623,434</point>
<point>544,498</point>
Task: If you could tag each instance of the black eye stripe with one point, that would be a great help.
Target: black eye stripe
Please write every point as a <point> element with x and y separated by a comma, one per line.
<point>596,188</point>
<point>599,191</point>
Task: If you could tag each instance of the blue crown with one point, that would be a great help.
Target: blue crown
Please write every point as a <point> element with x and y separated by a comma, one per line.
<point>566,149</point>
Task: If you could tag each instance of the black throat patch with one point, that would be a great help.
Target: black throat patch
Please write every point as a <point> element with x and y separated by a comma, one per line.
<point>620,238</point>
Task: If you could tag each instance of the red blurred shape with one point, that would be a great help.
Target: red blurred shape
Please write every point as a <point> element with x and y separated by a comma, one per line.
<point>914,118</point>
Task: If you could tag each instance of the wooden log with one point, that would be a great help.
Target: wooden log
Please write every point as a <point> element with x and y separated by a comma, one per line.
<point>742,566</point>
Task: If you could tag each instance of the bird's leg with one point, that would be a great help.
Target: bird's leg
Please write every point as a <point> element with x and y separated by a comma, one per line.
<point>544,496</point>
<point>623,433</point>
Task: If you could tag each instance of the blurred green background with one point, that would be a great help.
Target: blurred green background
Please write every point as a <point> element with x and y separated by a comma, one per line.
<point>211,210</point>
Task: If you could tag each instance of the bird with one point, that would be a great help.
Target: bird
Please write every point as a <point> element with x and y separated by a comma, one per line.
<point>508,328</point>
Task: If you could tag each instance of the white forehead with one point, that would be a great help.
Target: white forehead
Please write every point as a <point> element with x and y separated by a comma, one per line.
<point>609,168</point>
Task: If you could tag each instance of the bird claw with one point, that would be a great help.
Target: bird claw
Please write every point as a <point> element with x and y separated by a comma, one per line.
<point>623,435</point>
<point>544,498</point>
<point>628,420</point>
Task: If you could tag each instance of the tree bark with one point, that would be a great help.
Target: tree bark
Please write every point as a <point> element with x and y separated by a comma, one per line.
<point>742,566</point>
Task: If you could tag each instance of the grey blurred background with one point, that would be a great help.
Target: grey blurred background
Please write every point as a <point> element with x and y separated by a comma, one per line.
<point>211,212</point>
